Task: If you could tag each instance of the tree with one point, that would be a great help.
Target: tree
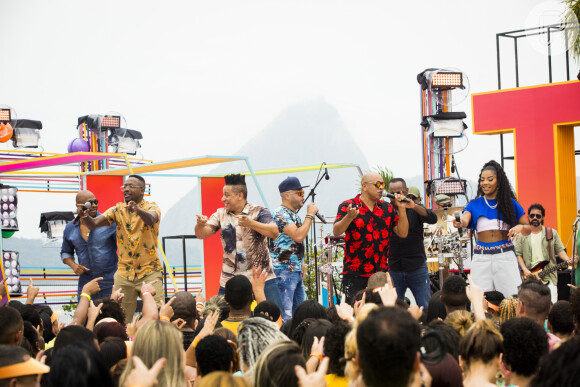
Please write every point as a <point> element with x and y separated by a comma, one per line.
<point>568,17</point>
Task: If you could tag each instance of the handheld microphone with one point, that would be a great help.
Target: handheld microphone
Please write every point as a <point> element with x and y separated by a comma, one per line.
<point>457,215</point>
<point>87,205</point>
<point>391,196</point>
<point>321,217</point>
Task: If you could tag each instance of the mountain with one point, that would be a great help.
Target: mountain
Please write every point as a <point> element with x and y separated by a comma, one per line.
<point>306,133</point>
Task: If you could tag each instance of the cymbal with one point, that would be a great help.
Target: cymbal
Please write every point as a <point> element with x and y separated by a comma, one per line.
<point>440,211</point>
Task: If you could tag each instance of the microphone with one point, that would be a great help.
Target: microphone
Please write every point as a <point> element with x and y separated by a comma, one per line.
<point>87,205</point>
<point>457,215</point>
<point>391,196</point>
<point>326,174</point>
<point>321,217</point>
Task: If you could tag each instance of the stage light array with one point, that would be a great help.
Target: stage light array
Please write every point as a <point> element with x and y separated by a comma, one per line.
<point>447,80</point>
<point>8,208</point>
<point>5,115</point>
<point>111,122</point>
<point>12,272</point>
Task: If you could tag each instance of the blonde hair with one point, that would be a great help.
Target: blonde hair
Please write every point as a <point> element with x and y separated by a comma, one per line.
<point>154,340</point>
<point>460,321</point>
<point>223,379</point>
<point>508,309</point>
<point>482,342</point>
<point>351,370</point>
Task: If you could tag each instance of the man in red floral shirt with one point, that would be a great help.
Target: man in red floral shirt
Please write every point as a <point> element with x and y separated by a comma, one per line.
<point>368,222</point>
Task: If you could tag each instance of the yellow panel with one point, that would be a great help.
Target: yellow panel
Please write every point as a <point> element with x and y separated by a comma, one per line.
<point>565,164</point>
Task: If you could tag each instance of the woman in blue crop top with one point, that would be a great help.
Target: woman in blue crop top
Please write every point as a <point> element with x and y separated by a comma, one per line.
<point>498,219</point>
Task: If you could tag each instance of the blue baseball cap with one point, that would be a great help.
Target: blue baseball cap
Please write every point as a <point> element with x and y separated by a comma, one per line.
<point>290,183</point>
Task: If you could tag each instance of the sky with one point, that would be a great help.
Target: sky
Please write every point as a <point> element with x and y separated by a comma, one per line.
<point>200,77</point>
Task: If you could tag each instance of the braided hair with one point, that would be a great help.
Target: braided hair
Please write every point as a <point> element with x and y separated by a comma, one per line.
<point>508,309</point>
<point>505,193</point>
<point>254,335</point>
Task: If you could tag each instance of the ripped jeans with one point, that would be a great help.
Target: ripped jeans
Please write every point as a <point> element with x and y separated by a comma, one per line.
<point>291,290</point>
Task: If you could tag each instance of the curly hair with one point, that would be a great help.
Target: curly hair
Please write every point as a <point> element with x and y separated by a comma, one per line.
<point>111,309</point>
<point>213,353</point>
<point>505,193</point>
<point>508,309</point>
<point>525,343</point>
<point>565,360</point>
<point>334,346</point>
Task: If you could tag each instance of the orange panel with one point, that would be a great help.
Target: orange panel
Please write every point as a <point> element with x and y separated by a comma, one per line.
<point>211,194</point>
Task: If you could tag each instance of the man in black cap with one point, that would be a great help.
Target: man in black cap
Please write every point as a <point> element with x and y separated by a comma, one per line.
<point>287,252</point>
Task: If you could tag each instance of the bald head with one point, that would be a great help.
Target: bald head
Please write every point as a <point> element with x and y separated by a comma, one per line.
<point>87,196</point>
<point>369,190</point>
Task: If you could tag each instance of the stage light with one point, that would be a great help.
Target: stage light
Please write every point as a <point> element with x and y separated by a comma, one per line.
<point>9,208</point>
<point>12,272</point>
<point>5,115</point>
<point>448,186</point>
<point>445,80</point>
<point>111,122</point>
<point>125,141</point>
<point>26,134</point>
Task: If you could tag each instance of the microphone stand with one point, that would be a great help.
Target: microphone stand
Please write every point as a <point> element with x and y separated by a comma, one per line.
<point>313,227</point>
<point>573,272</point>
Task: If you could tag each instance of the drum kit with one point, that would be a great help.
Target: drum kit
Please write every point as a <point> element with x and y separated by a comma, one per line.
<point>448,249</point>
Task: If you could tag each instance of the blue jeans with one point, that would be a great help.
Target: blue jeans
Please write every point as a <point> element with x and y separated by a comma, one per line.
<point>291,290</point>
<point>417,280</point>
<point>106,285</point>
<point>270,290</point>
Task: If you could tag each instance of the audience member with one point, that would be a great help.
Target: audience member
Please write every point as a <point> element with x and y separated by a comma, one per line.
<point>17,368</point>
<point>334,349</point>
<point>113,350</point>
<point>213,353</point>
<point>223,379</point>
<point>453,294</point>
<point>508,308</point>
<point>560,320</point>
<point>460,321</point>
<point>561,367</point>
<point>275,365</point>
<point>12,326</point>
<point>535,302</point>
<point>255,334</point>
<point>80,365</point>
<point>480,351</point>
<point>525,344</point>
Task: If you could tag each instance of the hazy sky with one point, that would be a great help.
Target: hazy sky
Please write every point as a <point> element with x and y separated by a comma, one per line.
<point>206,72</point>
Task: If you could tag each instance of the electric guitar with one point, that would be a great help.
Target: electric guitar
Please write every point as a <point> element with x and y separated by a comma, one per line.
<point>539,272</point>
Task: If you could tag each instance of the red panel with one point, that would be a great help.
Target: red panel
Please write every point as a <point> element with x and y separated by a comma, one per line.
<point>211,194</point>
<point>532,113</point>
<point>106,190</point>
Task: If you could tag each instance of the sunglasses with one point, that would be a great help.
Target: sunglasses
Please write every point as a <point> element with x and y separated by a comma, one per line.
<point>536,216</point>
<point>300,193</point>
<point>378,184</point>
<point>412,197</point>
<point>129,186</point>
<point>95,202</point>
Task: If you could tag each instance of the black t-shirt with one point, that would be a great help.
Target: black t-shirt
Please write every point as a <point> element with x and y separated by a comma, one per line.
<point>407,254</point>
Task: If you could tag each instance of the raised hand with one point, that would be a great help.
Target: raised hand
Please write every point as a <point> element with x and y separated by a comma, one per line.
<point>31,292</point>
<point>117,295</point>
<point>92,287</point>
<point>166,309</point>
<point>140,375</point>
<point>148,287</point>
<point>201,219</point>
<point>352,212</point>
<point>344,310</point>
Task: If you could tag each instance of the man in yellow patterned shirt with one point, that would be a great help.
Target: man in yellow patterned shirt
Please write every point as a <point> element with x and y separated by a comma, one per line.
<point>137,231</point>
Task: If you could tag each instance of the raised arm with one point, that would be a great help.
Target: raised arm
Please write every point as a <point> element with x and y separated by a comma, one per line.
<point>149,217</point>
<point>341,226</point>
<point>298,234</point>
<point>202,229</point>
<point>93,223</point>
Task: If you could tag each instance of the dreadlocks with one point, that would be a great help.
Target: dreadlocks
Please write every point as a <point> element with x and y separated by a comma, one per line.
<point>238,183</point>
<point>254,335</point>
<point>508,309</point>
<point>505,193</point>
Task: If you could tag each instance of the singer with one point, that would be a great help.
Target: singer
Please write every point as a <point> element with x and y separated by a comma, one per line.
<point>498,219</point>
<point>368,222</point>
<point>96,251</point>
<point>287,251</point>
<point>137,231</point>
<point>407,259</point>
<point>244,229</point>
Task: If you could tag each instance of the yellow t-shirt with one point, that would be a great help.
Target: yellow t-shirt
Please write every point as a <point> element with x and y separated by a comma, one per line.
<point>333,380</point>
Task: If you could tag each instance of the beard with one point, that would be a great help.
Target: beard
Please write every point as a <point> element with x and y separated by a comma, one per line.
<point>535,223</point>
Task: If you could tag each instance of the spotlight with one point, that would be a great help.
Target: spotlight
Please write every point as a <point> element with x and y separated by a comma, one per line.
<point>8,208</point>
<point>5,115</point>
<point>12,272</point>
<point>110,122</point>
<point>447,80</point>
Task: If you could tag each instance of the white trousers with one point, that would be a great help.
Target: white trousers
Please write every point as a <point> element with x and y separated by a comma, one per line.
<point>499,271</point>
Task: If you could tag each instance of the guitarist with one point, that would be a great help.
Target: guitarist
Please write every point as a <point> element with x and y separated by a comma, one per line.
<point>537,252</point>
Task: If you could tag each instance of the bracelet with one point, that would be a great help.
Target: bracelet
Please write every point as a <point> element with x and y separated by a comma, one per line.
<point>131,338</point>
<point>164,318</point>
<point>317,355</point>
<point>195,342</point>
<point>309,217</point>
<point>144,293</point>
<point>199,303</point>
<point>86,295</point>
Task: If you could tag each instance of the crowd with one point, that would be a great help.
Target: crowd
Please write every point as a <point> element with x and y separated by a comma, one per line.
<point>260,330</point>
<point>464,338</point>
